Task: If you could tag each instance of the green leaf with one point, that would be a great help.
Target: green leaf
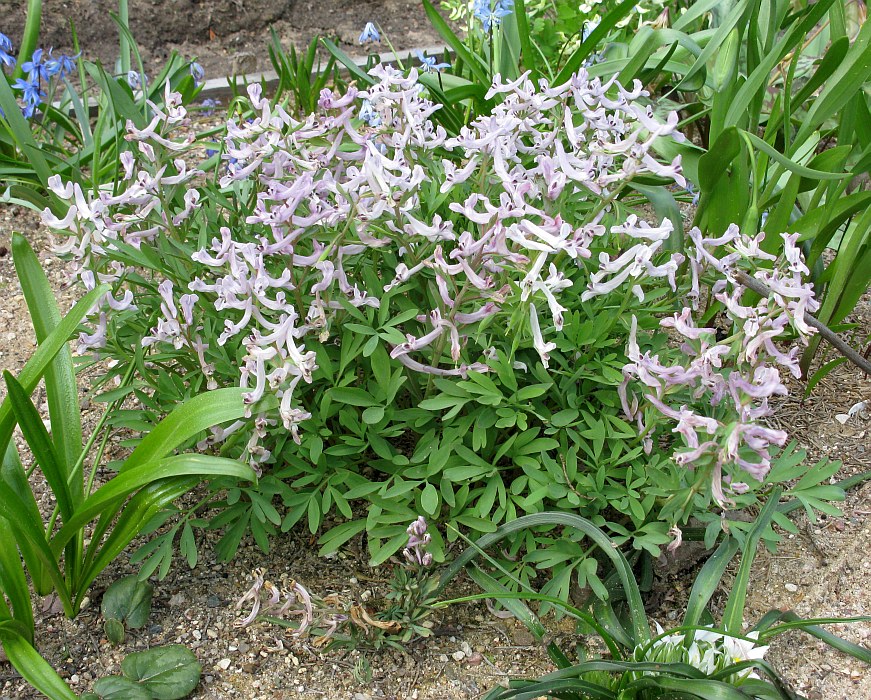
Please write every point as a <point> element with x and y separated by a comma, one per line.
<point>353,397</point>
<point>27,661</point>
<point>472,61</point>
<point>120,688</point>
<point>115,631</point>
<point>128,600</point>
<point>188,420</point>
<point>169,673</point>
<point>40,444</point>
<point>429,499</point>
<point>60,376</point>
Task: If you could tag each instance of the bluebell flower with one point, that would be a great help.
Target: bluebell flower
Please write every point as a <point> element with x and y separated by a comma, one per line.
<point>197,72</point>
<point>31,94</point>
<point>369,114</point>
<point>428,63</point>
<point>587,29</point>
<point>369,34</point>
<point>209,106</point>
<point>61,65</point>
<point>693,194</point>
<point>491,15</point>
<point>135,79</point>
<point>36,70</point>
<point>6,57</point>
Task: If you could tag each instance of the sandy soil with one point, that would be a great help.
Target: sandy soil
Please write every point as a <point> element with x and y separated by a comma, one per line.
<point>226,36</point>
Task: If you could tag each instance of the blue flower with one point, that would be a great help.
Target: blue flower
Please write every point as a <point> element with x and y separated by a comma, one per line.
<point>209,106</point>
<point>369,34</point>
<point>428,63</point>
<point>135,79</point>
<point>369,115</point>
<point>61,65</point>
<point>36,70</point>
<point>490,15</point>
<point>198,72</point>
<point>6,57</point>
<point>31,95</point>
<point>693,194</point>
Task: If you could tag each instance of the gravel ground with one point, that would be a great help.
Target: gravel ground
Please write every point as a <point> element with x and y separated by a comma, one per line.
<point>822,571</point>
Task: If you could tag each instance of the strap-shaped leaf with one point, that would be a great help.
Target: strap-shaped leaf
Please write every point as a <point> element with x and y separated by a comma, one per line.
<point>32,667</point>
<point>40,444</point>
<point>187,420</point>
<point>60,376</point>
<point>13,582</point>
<point>132,480</point>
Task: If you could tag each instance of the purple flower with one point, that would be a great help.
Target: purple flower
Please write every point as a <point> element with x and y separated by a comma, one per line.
<point>418,540</point>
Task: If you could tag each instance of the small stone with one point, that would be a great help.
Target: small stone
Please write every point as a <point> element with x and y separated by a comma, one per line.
<point>212,634</point>
<point>244,62</point>
<point>244,647</point>
<point>791,587</point>
<point>224,664</point>
<point>213,601</point>
<point>467,650</point>
<point>458,655</point>
<point>177,600</point>
<point>476,659</point>
<point>443,658</point>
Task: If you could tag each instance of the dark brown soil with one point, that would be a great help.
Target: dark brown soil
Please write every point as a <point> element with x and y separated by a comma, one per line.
<point>225,35</point>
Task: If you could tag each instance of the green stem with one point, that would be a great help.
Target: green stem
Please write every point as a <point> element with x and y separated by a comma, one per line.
<point>30,37</point>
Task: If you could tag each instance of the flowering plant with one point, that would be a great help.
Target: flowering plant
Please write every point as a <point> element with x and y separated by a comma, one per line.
<point>441,320</point>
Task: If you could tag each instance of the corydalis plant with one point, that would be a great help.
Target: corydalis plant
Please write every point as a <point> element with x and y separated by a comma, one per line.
<point>502,227</point>
<point>729,382</point>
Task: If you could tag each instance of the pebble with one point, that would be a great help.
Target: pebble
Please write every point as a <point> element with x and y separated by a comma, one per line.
<point>791,587</point>
<point>224,664</point>
<point>213,601</point>
<point>458,655</point>
<point>476,659</point>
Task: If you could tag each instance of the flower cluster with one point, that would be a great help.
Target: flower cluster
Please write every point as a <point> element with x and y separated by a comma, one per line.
<point>735,377</point>
<point>708,650</point>
<point>350,185</point>
<point>42,69</point>
<point>418,539</point>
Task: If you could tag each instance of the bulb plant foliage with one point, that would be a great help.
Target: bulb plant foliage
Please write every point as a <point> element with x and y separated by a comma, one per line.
<point>442,321</point>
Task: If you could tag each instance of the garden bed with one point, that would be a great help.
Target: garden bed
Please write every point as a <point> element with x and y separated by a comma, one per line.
<point>224,35</point>
<point>823,571</point>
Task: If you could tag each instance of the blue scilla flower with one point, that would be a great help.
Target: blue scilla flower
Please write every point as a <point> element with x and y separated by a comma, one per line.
<point>491,15</point>
<point>428,63</point>
<point>35,68</point>
<point>197,72</point>
<point>369,34</point>
<point>135,79</point>
<point>6,57</point>
<point>369,114</point>
<point>60,65</point>
<point>31,94</point>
